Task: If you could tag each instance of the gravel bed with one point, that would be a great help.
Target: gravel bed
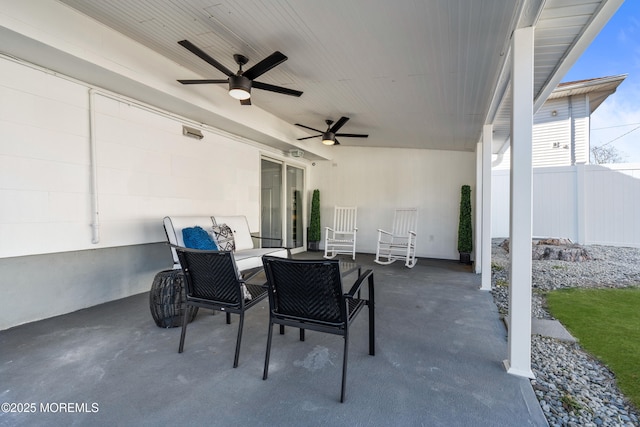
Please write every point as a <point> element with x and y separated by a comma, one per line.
<point>573,388</point>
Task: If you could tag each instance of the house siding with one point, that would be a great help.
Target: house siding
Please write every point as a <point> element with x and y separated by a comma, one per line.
<point>552,134</point>
<point>581,124</point>
<point>560,134</point>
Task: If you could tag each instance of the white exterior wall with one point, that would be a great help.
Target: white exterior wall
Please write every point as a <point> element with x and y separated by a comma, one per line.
<point>378,180</point>
<point>146,168</point>
<point>591,204</point>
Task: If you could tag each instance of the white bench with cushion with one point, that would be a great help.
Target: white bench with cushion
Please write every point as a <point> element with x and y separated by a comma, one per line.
<point>246,256</point>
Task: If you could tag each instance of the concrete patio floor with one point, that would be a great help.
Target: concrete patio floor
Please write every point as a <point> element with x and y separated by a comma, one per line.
<point>439,352</point>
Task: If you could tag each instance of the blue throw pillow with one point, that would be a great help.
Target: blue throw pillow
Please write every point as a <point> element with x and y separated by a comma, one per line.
<point>197,238</point>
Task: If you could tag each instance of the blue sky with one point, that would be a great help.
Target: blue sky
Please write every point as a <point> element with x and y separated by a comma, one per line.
<point>616,50</point>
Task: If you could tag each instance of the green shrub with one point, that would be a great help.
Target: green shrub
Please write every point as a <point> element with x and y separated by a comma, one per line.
<point>465,239</point>
<point>314,221</point>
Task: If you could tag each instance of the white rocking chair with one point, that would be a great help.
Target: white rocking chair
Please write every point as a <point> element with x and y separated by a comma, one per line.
<point>341,239</point>
<point>399,244</point>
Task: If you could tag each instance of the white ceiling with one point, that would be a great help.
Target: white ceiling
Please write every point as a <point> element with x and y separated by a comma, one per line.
<point>416,74</point>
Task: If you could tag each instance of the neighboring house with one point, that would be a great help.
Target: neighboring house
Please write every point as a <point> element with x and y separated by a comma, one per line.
<point>562,125</point>
<point>586,203</point>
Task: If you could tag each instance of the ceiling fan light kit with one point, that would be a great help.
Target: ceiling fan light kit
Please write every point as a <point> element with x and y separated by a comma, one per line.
<point>239,87</point>
<point>328,138</point>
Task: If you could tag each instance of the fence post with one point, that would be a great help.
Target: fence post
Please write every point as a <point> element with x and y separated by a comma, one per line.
<point>581,211</point>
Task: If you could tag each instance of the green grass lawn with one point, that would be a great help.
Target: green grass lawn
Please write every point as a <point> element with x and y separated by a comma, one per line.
<point>607,324</point>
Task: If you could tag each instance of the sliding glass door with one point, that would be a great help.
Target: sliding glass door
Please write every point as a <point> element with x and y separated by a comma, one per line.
<point>282,203</point>
<point>295,202</point>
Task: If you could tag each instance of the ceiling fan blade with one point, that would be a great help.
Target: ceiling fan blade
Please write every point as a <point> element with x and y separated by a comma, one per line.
<point>307,127</point>
<point>337,125</point>
<point>265,65</point>
<point>352,135</point>
<point>278,89</point>
<point>245,101</point>
<point>204,56</point>
<point>202,82</point>
<point>308,137</point>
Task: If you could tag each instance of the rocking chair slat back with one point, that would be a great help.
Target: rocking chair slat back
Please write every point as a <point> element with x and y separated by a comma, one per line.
<point>405,220</point>
<point>344,219</point>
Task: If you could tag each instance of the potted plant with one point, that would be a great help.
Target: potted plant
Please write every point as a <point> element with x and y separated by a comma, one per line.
<point>465,238</point>
<point>314,232</point>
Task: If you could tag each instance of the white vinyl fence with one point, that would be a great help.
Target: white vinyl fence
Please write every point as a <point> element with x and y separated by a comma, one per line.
<point>589,204</point>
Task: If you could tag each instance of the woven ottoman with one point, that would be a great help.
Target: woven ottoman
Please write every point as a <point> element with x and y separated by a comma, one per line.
<point>166,299</point>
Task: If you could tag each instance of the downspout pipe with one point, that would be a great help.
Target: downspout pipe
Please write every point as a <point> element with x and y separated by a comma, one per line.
<point>95,213</point>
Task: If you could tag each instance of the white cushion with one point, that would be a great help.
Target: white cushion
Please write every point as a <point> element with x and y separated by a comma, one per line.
<point>240,228</point>
<point>252,258</point>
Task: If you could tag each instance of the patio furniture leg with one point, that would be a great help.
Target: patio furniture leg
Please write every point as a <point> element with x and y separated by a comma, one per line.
<point>241,322</point>
<point>228,318</point>
<point>185,322</point>
<point>266,358</point>
<point>281,329</point>
<point>301,334</point>
<point>344,364</point>
<point>372,318</point>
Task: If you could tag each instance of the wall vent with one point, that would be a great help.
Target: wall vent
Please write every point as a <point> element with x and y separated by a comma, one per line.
<point>192,132</point>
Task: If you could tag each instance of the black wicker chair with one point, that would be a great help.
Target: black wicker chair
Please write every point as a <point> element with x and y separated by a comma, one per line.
<point>212,281</point>
<point>307,294</point>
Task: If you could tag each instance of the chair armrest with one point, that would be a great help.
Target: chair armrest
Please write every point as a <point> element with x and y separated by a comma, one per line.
<point>356,286</point>
<point>329,233</point>
<point>279,240</point>
<point>413,233</point>
<point>384,232</point>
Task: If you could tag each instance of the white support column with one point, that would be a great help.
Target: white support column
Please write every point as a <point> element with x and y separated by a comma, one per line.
<point>519,340</point>
<point>487,142</point>
<point>478,236</point>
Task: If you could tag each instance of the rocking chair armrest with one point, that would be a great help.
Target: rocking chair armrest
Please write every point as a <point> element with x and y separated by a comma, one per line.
<point>358,284</point>
<point>413,233</point>
<point>328,231</point>
<point>384,232</point>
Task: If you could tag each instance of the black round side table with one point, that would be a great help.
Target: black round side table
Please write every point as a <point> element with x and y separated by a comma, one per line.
<point>167,299</point>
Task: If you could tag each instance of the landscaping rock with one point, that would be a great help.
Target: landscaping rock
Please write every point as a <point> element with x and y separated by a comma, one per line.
<point>555,249</point>
<point>573,388</point>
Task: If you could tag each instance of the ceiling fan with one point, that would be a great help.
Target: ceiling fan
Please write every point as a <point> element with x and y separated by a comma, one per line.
<point>329,136</point>
<point>241,82</point>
